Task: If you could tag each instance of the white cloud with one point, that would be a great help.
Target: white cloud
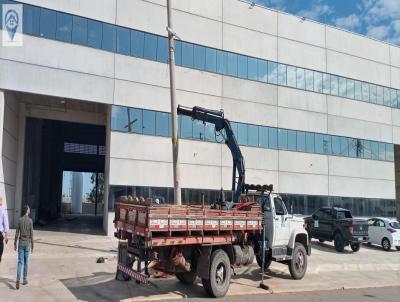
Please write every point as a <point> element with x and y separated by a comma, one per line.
<point>350,22</point>
<point>317,11</point>
<point>380,32</point>
<point>378,10</point>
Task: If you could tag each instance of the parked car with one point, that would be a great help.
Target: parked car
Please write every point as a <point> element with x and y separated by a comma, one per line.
<point>338,225</point>
<point>384,232</point>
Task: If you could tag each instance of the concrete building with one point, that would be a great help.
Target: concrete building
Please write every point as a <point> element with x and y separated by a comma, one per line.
<point>315,108</point>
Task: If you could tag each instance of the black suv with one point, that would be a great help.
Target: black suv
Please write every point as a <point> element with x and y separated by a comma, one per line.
<point>338,225</point>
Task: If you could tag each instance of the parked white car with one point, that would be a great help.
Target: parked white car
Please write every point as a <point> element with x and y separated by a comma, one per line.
<point>384,232</point>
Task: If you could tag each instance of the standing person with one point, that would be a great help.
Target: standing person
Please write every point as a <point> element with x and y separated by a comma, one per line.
<point>3,227</point>
<point>24,239</point>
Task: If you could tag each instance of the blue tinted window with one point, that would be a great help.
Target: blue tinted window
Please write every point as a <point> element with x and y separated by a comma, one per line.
<point>342,87</point>
<point>187,55</point>
<point>31,20</point>
<point>359,148</point>
<point>344,146</point>
<point>252,72</point>
<point>48,20</point>
<point>373,93</point>
<point>292,140</point>
<point>235,129</point>
<point>291,76</point>
<point>379,95</point>
<point>162,50</point>
<point>273,138</point>
<point>301,141</point>
<point>137,43</point>
<point>263,71</point>
<point>109,41</point>
<point>335,145</point>
<point>149,122</point>
<point>272,72</point>
<point>317,81</point>
<point>209,132</point>
<point>310,142</point>
<point>150,47</point>
<point>178,52</point>
<point>95,34</point>
<point>365,91</point>
<point>242,67</point>
<point>326,83</point>
<point>198,130</point>
<point>386,96</point>
<point>79,30</point>
<point>252,135</point>
<point>135,121</point>
<point>282,74</point>
<point>119,118</point>
<point>366,149</point>
<point>357,91</point>
<point>309,80</point>
<point>350,88</point>
<point>282,139</point>
<point>327,144</point>
<point>199,57</point>
<point>211,59</point>
<point>334,85</point>
<point>222,61</point>
<point>186,126</point>
<point>263,137</point>
<point>242,134</point>
<point>374,150</point>
<point>390,152</point>
<point>232,64</point>
<point>353,147</point>
<point>162,123</point>
<point>301,79</point>
<point>319,143</point>
<point>382,151</point>
<point>64,27</point>
<point>123,41</point>
<point>393,98</point>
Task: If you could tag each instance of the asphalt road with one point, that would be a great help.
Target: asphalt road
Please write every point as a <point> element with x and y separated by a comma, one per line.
<point>386,294</point>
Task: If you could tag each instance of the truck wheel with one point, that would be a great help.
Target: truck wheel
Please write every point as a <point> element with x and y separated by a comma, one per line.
<point>220,275</point>
<point>268,261</point>
<point>339,243</point>
<point>186,277</point>
<point>355,247</point>
<point>298,264</point>
<point>321,240</point>
<point>386,244</point>
<point>124,259</point>
<point>398,248</point>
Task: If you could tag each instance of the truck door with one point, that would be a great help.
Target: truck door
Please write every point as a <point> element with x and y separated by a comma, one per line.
<point>268,219</point>
<point>281,223</point>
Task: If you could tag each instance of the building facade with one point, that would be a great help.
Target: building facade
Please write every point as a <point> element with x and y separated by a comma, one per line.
<point>315,109</point>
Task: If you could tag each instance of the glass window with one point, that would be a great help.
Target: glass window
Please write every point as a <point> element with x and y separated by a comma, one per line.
<point>334,85</point>
<point>222,61</point>
<point>365,91</point>
<point>253,135</point>
<point>31,20</point>
<point>379,95</point>
<point>137,43</point>
<point>178,52</point>
<point>317,81</point>
<point>282,74</point>
<point>344,146</point>
<point>162,124</point>
<point>79,30</point>
<point>198,130</point>
<point>150,47</point>
<point>393,98</point>
<point>95,34</point>
<point>211,59</point>
<point>359,148</point>
<point>48,19</point>
<point>386,96</point>
<point>319,143</point>
<point>291,76</point>
<point>309,80</point>
<point>252,73</point>
<point>272,72</point>
<point>301,141</point>
<point>242,134</point>
<point>232,64</point>
<point>210,132</point>
<point>374,150</point>
<point>199,57</point>
<point>149,122</point>
<point>336,145</point>
<point>235,129</point>
<point>353,147</point>
<point>123,41</point>
<point>162,50</point>
<point>273,138</point>
<point>263,71</point>
<point>263,137</point>
<point>282,139</point>
<point>64,27</point>
<point>186,126</point>
<point>372,93</point>
<point>390,152</point>
<point>310,142</point>
<point>357,91</point>
<point>119,118</point>
<point>135,121</point>
<point>327,144</point>
<point>326,83</point>
<point>382,151</point>
<point>366,149</point>
<point>398,98</point>
<point>242,67</point>
<point>109,37</point>
<point>342,87</point>
<point>187,55</point>
<point>292,138</point>
<point>350,89</point>
<point>301,80</point>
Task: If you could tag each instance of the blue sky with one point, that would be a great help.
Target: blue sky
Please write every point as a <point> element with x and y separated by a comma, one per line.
<point>379,19</point>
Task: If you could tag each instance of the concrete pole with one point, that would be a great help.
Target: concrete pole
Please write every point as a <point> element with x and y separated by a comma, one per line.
<point>174,120</point>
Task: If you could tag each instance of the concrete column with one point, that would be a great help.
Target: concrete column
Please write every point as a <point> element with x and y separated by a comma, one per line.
<point>20,161</point>
<point>397,178</point>
<point>77,193</point>
<point>108,216</point>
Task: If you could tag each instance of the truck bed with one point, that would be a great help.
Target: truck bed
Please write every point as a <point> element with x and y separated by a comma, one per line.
<point>172,225</point>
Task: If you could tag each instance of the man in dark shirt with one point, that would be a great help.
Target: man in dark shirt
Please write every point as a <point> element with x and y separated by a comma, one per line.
<point>24,241</point>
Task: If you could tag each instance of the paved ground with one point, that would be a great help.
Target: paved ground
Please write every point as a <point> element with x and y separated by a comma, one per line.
<point>63,268</point>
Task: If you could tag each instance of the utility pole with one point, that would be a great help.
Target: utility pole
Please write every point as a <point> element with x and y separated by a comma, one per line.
<point>174,120</point>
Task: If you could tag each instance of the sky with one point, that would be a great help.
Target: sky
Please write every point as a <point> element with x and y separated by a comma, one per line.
<point>379,19</point>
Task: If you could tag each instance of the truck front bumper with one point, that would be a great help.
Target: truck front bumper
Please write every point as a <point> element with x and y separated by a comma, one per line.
<point>359,239</point>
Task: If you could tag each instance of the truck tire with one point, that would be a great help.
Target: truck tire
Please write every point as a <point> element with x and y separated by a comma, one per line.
<point>355,247</point>
<point>220,275</point>
<point>268,261</point>
<point>124,259</point>
<point>339,243</point>
<point>398,248</point>
<point>386,244</point>
<point>321,240</point>
<point>298,263</point>
<point>186,277</point>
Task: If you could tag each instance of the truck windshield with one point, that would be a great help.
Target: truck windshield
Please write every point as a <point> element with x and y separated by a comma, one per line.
<point>343,214</point>
<point>395,225</point>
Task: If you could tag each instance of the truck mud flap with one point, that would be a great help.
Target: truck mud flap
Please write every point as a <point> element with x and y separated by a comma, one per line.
<point>135,275</point>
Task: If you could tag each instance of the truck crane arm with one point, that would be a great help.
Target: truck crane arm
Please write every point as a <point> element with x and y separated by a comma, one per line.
<point>221,123</point>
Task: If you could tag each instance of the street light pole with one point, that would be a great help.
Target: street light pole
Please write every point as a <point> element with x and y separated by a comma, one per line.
<point>174,120</point>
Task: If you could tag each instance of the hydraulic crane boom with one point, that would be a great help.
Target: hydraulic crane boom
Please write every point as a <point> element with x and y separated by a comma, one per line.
<point>217,118</point>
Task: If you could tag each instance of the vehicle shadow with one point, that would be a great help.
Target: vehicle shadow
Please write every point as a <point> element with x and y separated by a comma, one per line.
<point>253,273</point>
<point>378,248</point>
<point>326,247</point>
